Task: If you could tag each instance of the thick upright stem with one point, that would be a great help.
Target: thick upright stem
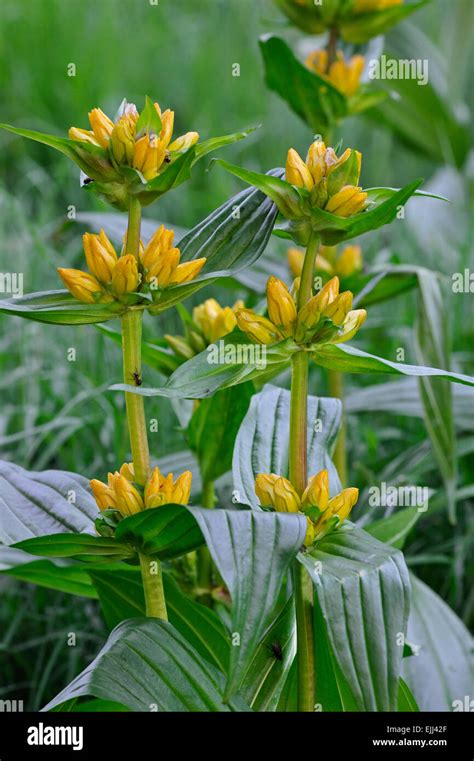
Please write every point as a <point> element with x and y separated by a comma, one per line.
<point>332,47</point>
<point>152,579</point>
<point>132,373</point>
<point>298,465</point>
<point>336,389</point>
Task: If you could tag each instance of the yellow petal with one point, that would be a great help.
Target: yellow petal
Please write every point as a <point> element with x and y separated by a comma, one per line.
<point>187,271</point>
<point>184,143</point>
<point>103,494</point>
<point>83,286</point>
<point>297,173</point>
<point>295,261</point>
<point>101,125</point>
<point>258,328</point>
<point>126,277</point>
<point>281,305</point>
<point>317,491</point>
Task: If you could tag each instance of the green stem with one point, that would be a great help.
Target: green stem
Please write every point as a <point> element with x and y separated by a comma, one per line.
<point>298,466</point>
<point>204,559</point>
<point>332,47</point>
<point>152,579</point>
<point>132,373</point>
<point>336,389</point>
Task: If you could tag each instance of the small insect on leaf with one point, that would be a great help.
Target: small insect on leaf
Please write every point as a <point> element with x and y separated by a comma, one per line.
<point>276,650</point>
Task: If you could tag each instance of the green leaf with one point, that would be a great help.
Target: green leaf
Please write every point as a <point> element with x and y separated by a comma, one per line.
<point>71,579</point>
<point>269,668</point>
<point>442,672</point>
<point>165,532</point>
<point>361,27</point>
<point>378,285</point>
<point>92,159</point>
<point>286,197</point>
<point>252,551</point>
<point>313,98</point>
<point>262,443</point>
<point>234,359</point>
<point>60,308</point>
<point>38,503</point>
<point>363,590</point>
<point>395,528</point>
<point>148,665</point>
<point>406,701</point>
<point>80,546</point>
<point>213,428</point>
<point>432,348</point>
<point>348,359</point>
<point>213,143</point>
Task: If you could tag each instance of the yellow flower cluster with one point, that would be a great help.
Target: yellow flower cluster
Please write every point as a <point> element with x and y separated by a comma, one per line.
<point>210,321</point>
<point>331,180</point>
<point>146,150</point>
<point>120,494</point>
<point>347,263</point>
<point>343,75</point>
<point>115,278</point>
<point>322,513</point>
<point>327,317</point>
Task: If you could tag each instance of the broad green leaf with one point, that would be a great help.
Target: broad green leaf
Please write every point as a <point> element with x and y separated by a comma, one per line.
<point>234,359</point>
<point>269,668</point>
<point>395,528</point>
<point>406,701</point>
<point>313,98</point>
<point>262,443</point>
<point>121,596</point>
<point>60,308</point>
<point>80,546</point>
<point>379,285</point>
<point>432,348</point>
<point>165,532</point>
<point>149,119</point>
<point>363,590</point>
<point>69,578</point>
<point>252,551</point>
<point>147,665</point>
<point>442,672</point>
<point>287,197</point>
<point>38,503</point>
<point>348,359</point>
<point>213,428</point>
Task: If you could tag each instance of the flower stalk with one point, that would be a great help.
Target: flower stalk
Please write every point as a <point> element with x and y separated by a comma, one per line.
<point>132,373</point>
<point>298,465</point>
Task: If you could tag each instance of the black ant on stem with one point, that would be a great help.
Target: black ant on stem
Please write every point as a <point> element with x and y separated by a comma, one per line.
<point>137,378</point>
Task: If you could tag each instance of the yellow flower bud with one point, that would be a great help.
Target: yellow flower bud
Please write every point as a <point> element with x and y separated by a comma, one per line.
<point>153,487</point>
<point>103,494</point>
<point>187,271</point>
<point>307,320</point>
<point>83,135</point>
<point>297,173</point>
<point>126,277</point>
<point>127,471</point>
<point>100,256</point>
<point>350,261</point>
<point>347,201</point>
<point>327,294</point>
<point>346,76</point>
<point>122,140</point>
<point>129,500</point>
<point>265,488</point>
<point>342,504</point>
<point>317,61</point>
<point>286,497</point>
<point>338,309</point>
<point>162,269</point>
<point>148,155</point>
<point>281,306</point>
<point>167,125</point>
<point>258,328</point>
<point>213,320</point>
<point>316,161</point>
<point>366,6</point>
<point>182,488</point>
<point>295,261</point>
<point>350,326</point>
<point>101,125</point>
<point>317,491</point>
<point>83,286</point>
<point>184,143</point>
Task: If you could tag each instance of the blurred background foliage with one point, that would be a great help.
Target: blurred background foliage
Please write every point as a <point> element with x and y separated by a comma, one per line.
<point>57,414</point>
